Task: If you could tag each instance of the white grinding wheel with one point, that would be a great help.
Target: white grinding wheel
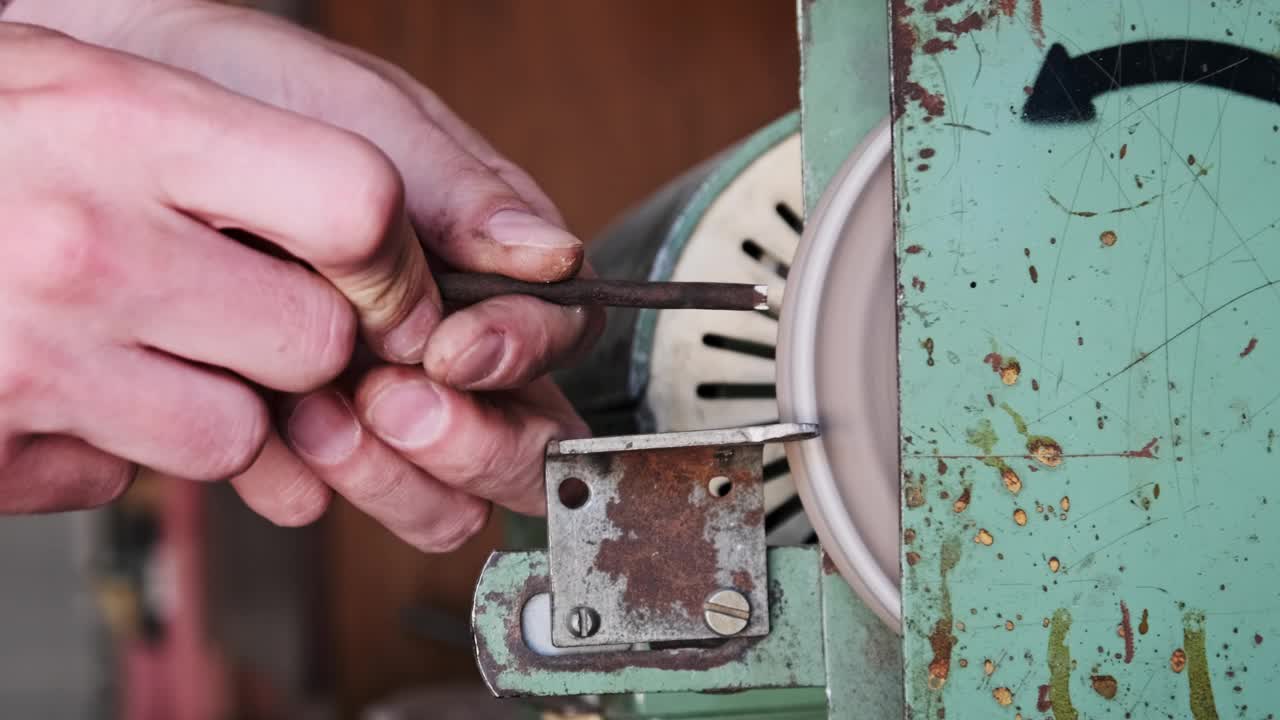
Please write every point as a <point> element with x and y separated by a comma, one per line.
<point>714,369</point>
<point>837,366</point>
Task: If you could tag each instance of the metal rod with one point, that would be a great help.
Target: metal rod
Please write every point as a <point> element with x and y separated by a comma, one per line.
<point>469,288</point>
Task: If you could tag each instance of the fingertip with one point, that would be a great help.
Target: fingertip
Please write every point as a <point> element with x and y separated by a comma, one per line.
<point>533,248</point>
<point>282,489</point>
<point>302,502</point>
<point>406,411</point>
<point>520,228</point>
<point>406,342</point>
<point>505,342</point>
<point>323,428</point>
<point>245,445</point>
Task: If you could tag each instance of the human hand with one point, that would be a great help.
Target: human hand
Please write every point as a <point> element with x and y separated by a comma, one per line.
<point>127,322</point>
<point>431,487</point>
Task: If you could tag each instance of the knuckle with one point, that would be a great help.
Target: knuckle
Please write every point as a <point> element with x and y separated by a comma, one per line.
<point>65,259</point>
<point>460,527</point>
<point>532,358</point>
<point>474,194</point>
<point>18,373</point>
<point>327,328</point>
<point>488,468</point>
<point>239,439</point>
<point>371,207</point>
<point>115,96</point>
<point>303,501</point>
<point>534,327</point>
<point>374,490</point>
<point>108,485</point>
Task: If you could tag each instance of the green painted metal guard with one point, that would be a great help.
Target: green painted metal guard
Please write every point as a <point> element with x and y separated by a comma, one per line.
<point>844,94</point>
<point>844,83</point>
<point>792,655</point>
<point>1088,352</point>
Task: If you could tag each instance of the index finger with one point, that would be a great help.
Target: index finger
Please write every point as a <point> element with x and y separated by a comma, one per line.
<point>325,195</point>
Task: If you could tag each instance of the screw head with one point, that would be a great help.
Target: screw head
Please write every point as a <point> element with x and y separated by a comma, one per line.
<point>583,622</point>
<point>727,612</point>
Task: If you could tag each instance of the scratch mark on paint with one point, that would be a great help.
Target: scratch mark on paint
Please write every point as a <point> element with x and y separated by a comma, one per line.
<point>1161,346</point>
<point>1091,213</point>
<point>1078,213</point>
<point>1144,454</point>
<point>1088,559</point>
<point>962,126</point>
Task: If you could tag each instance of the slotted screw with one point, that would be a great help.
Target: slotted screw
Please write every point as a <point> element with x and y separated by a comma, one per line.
<point>583,622</point>
<point>726,612</point>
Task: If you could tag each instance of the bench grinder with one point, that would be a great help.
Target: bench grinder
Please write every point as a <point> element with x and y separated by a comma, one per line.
<point>1019,390</point>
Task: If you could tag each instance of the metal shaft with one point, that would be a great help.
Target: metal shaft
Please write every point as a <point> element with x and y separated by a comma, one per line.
<point>468,288</point>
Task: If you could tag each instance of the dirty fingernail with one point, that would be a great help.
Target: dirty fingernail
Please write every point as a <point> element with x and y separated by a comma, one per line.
<point>324,428</point>
<point>407,414</point>
<point>406,342</point>
<point>515,227</point>
<point>477,362</point>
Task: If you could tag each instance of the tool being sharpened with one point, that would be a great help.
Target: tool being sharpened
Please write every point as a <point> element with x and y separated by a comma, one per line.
<point>469,288</point>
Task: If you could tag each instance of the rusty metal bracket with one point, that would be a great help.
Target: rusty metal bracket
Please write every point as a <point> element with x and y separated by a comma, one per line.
<point>659,538</point>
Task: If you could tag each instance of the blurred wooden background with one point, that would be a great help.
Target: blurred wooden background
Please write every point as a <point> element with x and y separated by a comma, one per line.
<point>603,101</point>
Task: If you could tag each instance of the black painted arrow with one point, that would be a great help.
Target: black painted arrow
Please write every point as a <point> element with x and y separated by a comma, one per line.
<point>1066,86</point>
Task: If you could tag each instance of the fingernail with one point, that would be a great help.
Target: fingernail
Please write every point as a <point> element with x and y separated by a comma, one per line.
<point>407,340</point>
<point>407,413</point>
<point>324,428</point>
<point>515,227</point>
<point>477,362</point>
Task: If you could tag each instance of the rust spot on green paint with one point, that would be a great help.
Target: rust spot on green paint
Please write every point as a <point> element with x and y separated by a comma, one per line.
<point>1060,667</point>
<point>1202,706</point>
<point>941,639</point>
<point>1105,685</point>
<point>1041,447</point>
<point>927,344</point>
<point>1045,449</point>
<point>1007,368</point>
<point>914,496</point>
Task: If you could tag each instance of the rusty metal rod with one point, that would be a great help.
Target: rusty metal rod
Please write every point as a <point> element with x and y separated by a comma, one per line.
<point>470,288</point>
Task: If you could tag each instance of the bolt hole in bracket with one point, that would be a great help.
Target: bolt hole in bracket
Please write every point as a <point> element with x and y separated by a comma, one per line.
<point>573,493</point>
<point>659,538</point>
